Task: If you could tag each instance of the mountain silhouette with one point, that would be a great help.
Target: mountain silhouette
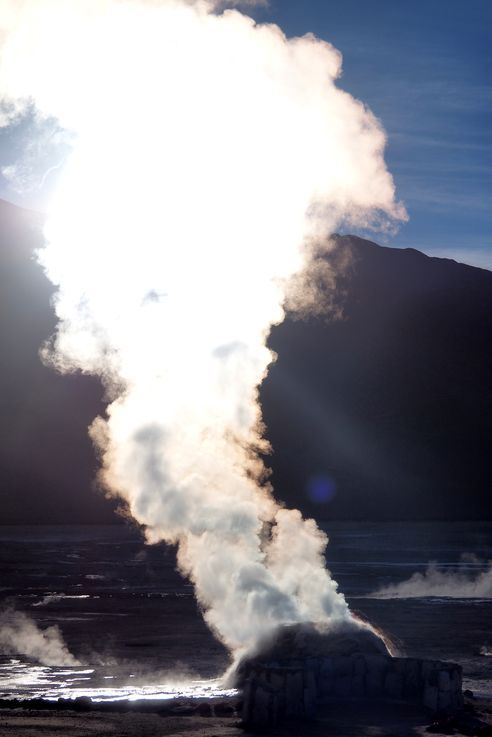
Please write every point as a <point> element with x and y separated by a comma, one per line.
<point>383,412</point>
<point>47,462</point>
<point>388,409</point>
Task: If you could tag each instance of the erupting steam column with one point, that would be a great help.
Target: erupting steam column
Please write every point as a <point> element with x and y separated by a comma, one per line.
<point>205,163</point>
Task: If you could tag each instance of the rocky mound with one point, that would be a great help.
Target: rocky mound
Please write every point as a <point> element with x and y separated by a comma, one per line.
<point>293,643</point>
<point>304,666</point>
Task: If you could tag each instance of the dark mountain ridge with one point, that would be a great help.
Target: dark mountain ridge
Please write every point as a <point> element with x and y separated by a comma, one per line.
<point>384,413</point>
<point>392,403</point>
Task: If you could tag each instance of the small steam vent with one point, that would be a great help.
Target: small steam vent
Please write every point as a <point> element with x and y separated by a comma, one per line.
<point>304,667</point>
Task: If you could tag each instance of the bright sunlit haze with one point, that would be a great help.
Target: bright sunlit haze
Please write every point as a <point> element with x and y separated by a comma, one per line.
<point>208,153</point>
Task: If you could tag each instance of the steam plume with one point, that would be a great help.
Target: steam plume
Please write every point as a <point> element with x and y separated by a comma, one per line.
<point>20,635</point>
<point>209,153</point>
<point>471,579</point>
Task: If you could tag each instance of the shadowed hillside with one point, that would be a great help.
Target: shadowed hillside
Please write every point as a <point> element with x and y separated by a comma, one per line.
<point>46,459</point>
<point>384,413</point>
<point>392,405</point>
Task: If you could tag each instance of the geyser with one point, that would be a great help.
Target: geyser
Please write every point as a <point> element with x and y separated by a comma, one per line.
<point>208,154</point>
<point>304,668</point>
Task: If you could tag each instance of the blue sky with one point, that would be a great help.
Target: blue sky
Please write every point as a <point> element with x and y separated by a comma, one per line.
<point>425,69</point>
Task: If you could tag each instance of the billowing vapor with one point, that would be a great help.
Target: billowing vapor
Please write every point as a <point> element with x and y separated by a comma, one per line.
<point>209,154</point>
<point>20,635</point>
<point>471,579</point>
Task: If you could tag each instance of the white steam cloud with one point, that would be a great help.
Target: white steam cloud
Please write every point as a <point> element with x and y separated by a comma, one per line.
<point>209,153</point>
<point>20,635</point>
<point>471,579</point>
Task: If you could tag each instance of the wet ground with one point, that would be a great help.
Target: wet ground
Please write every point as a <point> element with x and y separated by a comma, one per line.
<point>132,623</point>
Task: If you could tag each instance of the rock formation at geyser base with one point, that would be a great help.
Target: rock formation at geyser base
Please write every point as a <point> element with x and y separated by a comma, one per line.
<point>305,668</point>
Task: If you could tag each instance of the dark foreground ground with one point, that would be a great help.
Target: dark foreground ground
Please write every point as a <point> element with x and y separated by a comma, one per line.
<point>133,623</point>
<point>341,720</point>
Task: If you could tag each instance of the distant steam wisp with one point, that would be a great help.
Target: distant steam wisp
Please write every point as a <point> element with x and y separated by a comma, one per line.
<point>20,635</point>
<point>471,579</point>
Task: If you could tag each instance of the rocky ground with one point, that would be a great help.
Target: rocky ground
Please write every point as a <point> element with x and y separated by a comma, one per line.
<point>347,719</point>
